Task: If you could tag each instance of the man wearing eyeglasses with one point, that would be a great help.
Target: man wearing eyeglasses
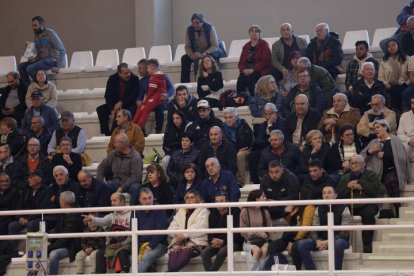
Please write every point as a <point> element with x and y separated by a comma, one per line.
<point>12,98</point>
<point>361,183</point>
<point>365,127</point>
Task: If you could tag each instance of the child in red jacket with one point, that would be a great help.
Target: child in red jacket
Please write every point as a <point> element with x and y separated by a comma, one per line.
<point>153,99</point>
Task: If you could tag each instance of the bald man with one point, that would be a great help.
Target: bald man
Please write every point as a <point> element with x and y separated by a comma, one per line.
<point>223,150</point>
<point>361,183</point>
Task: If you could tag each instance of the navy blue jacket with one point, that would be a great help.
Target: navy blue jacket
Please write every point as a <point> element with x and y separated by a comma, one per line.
<point>226,154</point>
<point>316,98</point>
<point>225,183</point>
<point>49,115</point>
<point>289,158</point>
<point>98,195</point>
<point>261,140</point>
<point>152,220</point>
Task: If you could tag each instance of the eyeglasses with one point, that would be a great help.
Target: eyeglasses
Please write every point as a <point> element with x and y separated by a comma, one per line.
<point>355,163</point>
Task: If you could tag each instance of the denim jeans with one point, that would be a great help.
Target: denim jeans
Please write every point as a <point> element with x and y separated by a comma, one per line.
<point>27,69</point>
<point>305,246</point>
<point>151,257</point>
<point>54,257</point>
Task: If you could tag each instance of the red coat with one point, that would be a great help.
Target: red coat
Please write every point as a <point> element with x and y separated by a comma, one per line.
<point>262,57</point>
<point>156,87</point>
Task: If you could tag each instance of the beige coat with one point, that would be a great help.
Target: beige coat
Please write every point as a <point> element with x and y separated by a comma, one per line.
<point>50,96</point>
<point>385,72</point>
<point>365,128</point>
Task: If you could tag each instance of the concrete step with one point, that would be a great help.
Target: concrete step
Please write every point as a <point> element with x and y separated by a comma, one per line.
<point>406,235</point>
<point>393,247</point>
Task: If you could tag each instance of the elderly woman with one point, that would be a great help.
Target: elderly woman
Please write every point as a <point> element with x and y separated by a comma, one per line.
<point>190,181</point>
<point>210,81</point>
<point>387,157</point>
<point>315,148</point>
<point>290,80</point>
<point>254,61</point>
<point>266,92</point>
<point>393,72</point>
<point>256,243</point>
<point>47,88</point>
<point>185,246</point>
<point>9,134</point>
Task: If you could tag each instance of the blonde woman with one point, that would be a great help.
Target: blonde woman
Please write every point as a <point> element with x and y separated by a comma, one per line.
<point>266,92</point>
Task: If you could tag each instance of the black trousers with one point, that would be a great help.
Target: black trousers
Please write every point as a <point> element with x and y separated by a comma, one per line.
<point>367,213</point>
<point>248,82</point>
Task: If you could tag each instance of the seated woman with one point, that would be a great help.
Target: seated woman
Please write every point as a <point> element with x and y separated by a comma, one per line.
<point>179,158</point>
<point>157,183</point>
<point>255,243</point>
<point>48,89</point>
<point>185,246</point>
<point>266,92</point>
<point>393,72</point>
<point>210,81</point>
<point>9,134</point>
<point>290,80</point>
<point>387,157</point>
<point>190,181</point>
<point>315,148</point>
<point>340,153</point>
<point>254,61</point>
<point>70,160</point>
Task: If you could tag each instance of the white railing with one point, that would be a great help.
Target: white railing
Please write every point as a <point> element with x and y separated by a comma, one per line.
<point>134,232</point>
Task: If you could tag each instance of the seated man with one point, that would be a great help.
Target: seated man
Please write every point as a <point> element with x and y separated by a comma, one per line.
<point>217,243</point>
<point>365,127</point>
<point>59,249</point>
<point>116,247</point>
<point>406,38</point>
<point>223,150</point>
<point>320,77</point>
<point>60,183</point>
<point>9,199</point>
<point>92,192</point>
<point>12,167</point>
<point>133,132</point>
<point>201,126</point>
<point>218,180</point>
<point>317,179</point>
<point>279,149</point>
<point>340,114</point>
<point>240,134</point>
<point>319,240</point>
<point>279,184</point>
<point>200,39</point>
<point>67,158</point>
<point>185,102</point>
<point>150,247</point>
<point>353,70</point>
<point>40,132</point>
<point>326,50</point>
<point>12,99</point>
<point>122,169</point>
<point>36,196</point>
<point>34,159</point>
<point>122,90</point>
<point>282,48</point>
<point>316,98</point>
<point>49,115</point>
<point>406,133</point>
<point>300,122</point>
<point>361,183</point>
<point>68,129</point>
<point>364,88</point>
<point>49,48</point>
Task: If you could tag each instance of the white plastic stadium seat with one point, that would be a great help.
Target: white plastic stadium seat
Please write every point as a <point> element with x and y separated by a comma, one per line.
<point>79,62</point>
<point>7,64</point>
<point>105,60</point>
<point>133,55</point>
<point>306,37</point>
<point>233,55</point>
<point>162,53</point>
<point>379,35</point>
<point>348,46</point>
<point>179,52</point>
<point>271,40</point>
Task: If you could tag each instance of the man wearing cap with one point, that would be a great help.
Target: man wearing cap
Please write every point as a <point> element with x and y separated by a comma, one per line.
<point>201,127</point>
<point>68,129</point>
<point>200,39</point>
<point>51,120</point>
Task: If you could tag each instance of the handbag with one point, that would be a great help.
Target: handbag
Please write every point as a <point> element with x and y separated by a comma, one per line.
<point>258,241</point>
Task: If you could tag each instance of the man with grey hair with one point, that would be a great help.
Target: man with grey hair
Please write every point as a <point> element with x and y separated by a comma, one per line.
<point>364,88</point>
<point>240,134</point>
<point>326,50</point>
<point>218,180</point>
<point>320,77</point>
<point>223,150</point>
<point>365,127</point>
<point>59,249</point>
<point>122,169</point>
<point>61,183</point>
<point>340,114</point>
<point>300,122</point>
<point>279,149</point>
<point>282,49</point>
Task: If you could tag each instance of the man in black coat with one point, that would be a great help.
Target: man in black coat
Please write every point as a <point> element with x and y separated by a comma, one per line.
<point>12,98</point>
<point>12,167</point>
<point>185,102</point>
<point>68,223</point>
<point>92,192</point>
<point>317,179</point>
<point>122,90</point>
<point>9,198</point>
